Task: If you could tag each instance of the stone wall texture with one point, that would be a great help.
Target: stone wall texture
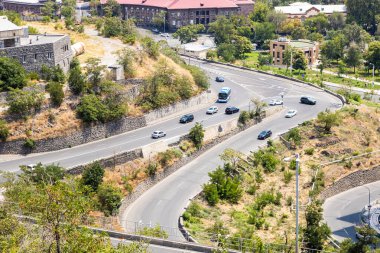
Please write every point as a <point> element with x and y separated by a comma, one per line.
<point>84,135</point>
<point>357,178</point>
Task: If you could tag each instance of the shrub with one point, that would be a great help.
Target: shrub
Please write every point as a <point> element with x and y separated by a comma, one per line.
<point>155,231</point>
<point>54,74</point>
<point>4,130</point>
<point>329,119</point>
<point>33,76</point>
<point>169,155</point>
<point>287,176</point>
<point>29,143</point>
<point>80,29</point>
<point>293,164</point>
<point>289,201</point>
<point>150,47</point>
<point>309,151</point>
<point>45,19</point>
<point>33,30</point>
<point>56,93</point>
<point>197,134</point>
<point>211,54</point>
<point>12,74</point>
<point>109,199</point>
<point>294,136</point>
<point>93,175</point>
<point>151,169</point>
<point>211,194</point>
<point>228,188</point>
<point>244,117</point>
<point>200,77</point>
<point>269,162</point>
<point>24,102</point>
<point>40,174</point>
<point>77,81</point>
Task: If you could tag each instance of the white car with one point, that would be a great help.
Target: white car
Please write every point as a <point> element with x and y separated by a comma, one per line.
<point>290,113</point>
<point>212,110</point>
<point>31,166</point>
<point>158,134</point>
<point>276,102</point>
<point>166,35</point>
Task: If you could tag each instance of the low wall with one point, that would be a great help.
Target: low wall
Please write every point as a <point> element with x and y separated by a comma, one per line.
<point>357,178</point>
<point>84,135</point>
<point>202,98</point>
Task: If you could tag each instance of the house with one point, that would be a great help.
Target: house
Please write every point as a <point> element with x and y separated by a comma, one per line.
<point>303,10</point>
<point>309,48</point>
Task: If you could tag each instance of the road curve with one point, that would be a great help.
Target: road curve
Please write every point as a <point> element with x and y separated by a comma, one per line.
<point>165,202</point>
<point>342,211</point>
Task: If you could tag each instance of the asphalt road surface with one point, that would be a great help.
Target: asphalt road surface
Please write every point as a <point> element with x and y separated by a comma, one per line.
<point>342,211</point>
<point>165,202</point>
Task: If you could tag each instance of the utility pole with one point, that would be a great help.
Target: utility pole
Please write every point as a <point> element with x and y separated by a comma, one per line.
<point>297,201</point>
<point>369,203</point>
<point>373,74</point>
<point>291,61</point>
<point>164,22</point>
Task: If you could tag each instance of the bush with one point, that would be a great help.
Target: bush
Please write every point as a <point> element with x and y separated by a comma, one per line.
<point>109,199</point>
<point>150,47</point>
<point>287,176</point>
<point>33,76</point>
<point>269,162</point>
<point>56,93</point>
<point>24,102</point>
<point>168,156</point>
<point>197,134</point>
<point>244,117</point>
<point>155,231</point>
<point>93,175</point>
<point>12,74</point>
<point>309,151</point>
<point>4,130</point>
<point>29,143</point>
<point>294,136</point>
<point>77,81</point>
<point>45,19</point>
<point>91,109</point>
<point>289,201</point>
<point>211,54</point>
<point>329,119</point>
<point>211,194</point>
<point>200,77</point>
<point>33,30</point>
<point>54,74</point>
<point>151,169</point>
<point>40,174</point>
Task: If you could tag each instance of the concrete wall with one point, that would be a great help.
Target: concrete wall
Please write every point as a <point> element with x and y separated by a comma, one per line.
<point>357,178</point>
<point>84,135</point>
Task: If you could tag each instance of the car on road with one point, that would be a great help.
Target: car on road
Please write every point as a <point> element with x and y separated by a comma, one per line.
<point>158,134</point>
<point>166,35</point>
<point>264,134</point>
<point>291,114</point>
<point>219,79</point>
<point>308,100</point>
<point>276,102</point>
<point>212,110</point>
<point>231,110</point>
<point>186,118</point>
<point>155,30</point>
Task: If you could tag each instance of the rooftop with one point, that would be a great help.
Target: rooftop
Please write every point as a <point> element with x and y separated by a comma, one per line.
<point>302,43</point>
<point>301,8</point>
<point>6,25</point>
<point>40,39</point>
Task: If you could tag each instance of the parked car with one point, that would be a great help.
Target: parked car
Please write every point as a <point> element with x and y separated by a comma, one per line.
<point>219,79</point>
<point>158,134</point>
<point>186,118</point>
<point>212,110</point>
<point>231,110</point>
<point>155,30</point>
<point>291,114</point>
<point>264,134</point>
<point>166,35</point>
<point>276,102</point>
<point>308,100</point>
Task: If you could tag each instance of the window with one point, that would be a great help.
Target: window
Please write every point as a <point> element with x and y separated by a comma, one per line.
<point>278,54</point>
<point>178,14</point>
<point>23,58</point>
<point>35,57</point>
<point>50,56</point>
<point>197,13</point>
<point>202,12</point>
<point>207,12</point>
<point>191,22</point>
<point>173,22</point>
<point>207,20</point>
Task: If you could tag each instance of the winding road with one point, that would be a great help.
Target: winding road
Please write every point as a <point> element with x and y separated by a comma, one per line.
<point>166,201</point>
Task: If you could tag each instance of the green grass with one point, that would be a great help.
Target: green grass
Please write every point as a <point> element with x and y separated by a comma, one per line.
<point>360,73</point>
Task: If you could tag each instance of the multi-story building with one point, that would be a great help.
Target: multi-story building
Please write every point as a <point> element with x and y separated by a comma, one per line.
<point>24,7</point>
<point>179,13</point>
<point>33,51</point>
<point>303,10</point>
<point>309,48</point>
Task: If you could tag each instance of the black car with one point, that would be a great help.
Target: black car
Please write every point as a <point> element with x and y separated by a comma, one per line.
<point>219,79</point>
<point>231,110</point>
<point>308,100</point>
<point>264,134</point>
<point>186,118</point>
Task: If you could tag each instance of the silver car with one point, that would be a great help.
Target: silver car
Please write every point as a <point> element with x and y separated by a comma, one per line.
<point>276,102</point>
<point>291,114</point>
<point>212,110</point>
<point>158,134</point>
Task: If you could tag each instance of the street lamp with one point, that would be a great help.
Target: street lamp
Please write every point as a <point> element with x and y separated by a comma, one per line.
<point>373,74</point>
<point>369,203</point>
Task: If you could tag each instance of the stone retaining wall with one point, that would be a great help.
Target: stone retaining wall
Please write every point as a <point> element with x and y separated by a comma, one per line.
<point>357,178</point>
<point>84,135</point>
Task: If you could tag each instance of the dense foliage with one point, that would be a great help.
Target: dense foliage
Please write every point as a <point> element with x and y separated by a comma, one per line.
<point>12,74</point>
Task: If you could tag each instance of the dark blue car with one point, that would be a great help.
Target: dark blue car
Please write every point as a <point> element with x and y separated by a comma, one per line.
<point>219,79</point>
<point>264,134</point>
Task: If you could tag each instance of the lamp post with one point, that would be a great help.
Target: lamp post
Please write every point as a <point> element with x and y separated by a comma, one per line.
<point>373,74</point>
<point>369,203</point>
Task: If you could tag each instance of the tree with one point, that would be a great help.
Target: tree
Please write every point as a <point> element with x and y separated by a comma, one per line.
<point>373,54</point>
<point>76,81</point>
<point>12,74</point>
<point>329,119</point>
<point>317,23</point>
<point>353,56</point>
<point>299,33</point>
<point>197,134</point>
<point>211,194</point>
<point>49,9</point>
<point>364,13</point>
<point>43,174</point>
<point>288,56</point>
<point>260,12</point>
<point>264,31</point>
<point>24,102</point>
<point>93,175</point>
<point>188,33</point>
<point>259,107</point>
<point>289,25</point>
<point>231,156</point>
<point>109,198</point>
<point>112,9</point>
<point>222,29</point>
<point>159,20</point>
<point>91,109</point>
<point>126,58</point>
<point>54,74</point>
<point>242,46</point>
<point>226,52</point>
<point>333,49</point>
<point>150,47</point>
<point>112,27</point>
<point>68,12</point>
<point>355,34</point>
<point>299,60</point>
<point>315,233</point>
<point>277,18</point>
<point>337,20</point>
<point>4,130</point>
<point>94,72</point>
<point>56,93</point>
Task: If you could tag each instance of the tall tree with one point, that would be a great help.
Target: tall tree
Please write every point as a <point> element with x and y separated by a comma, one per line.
<point>353,56</point>
<point>364,13</point>
<point>94,71</point>
<point>373,54</point>
<point>76,81</point>
<point>354,33</point>
<point>260,12</point>
<point>188,33</point>
<point>276,18</point>
<point>112,9</point>
<point>222,29</point>
<point>317,24</point>
<point>12,74</point>
<point>337,20</point>
<point>299,60</point>
<point>264,31</point>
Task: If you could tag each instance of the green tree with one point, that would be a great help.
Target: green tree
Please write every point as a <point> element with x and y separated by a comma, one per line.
<point>315,233</point>
<point>337,20</point>
<point>112,9</point>
<point>77,80</point>
<point>109,198</point>
<point>93,175</point>
<point>276,18</point>
<point>12,16</point>
<point>317,24</point>
<point>150,47</point>
<point>242,46</point>
<point>211,194</point>
<point>222,29</point>
<point>353,56</point>
<point>43,174</point>
<point>188,33</point>
<point>159,20</point>
<point>299,33</point>
<point>299,60</point>
<point>197,134</point>
<point>49,9</point>
<point>91,109</point>
<point>4,130</point>
<point>364,13</point>
<point>12,74</point>
<point>24,102</point>
<point>260,12</point>
<point>333,49</point>
<point>329,119</point>
<point>54,74</point>
<point>126,58</point>
<point>288,56</point>
<point>94,71</point>
<point>355,34</point>
<point>373,54</point>
<point>112,27</point>
<point>56,93</point>
<point>264,31</point>
<point>226,52</point>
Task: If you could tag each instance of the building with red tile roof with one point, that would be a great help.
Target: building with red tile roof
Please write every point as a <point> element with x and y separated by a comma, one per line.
<point>181,12</point>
